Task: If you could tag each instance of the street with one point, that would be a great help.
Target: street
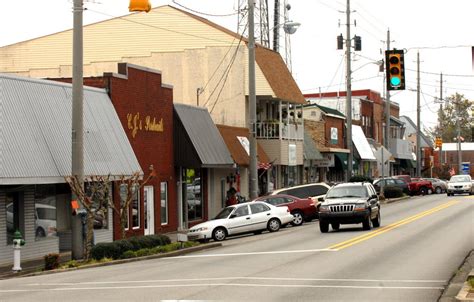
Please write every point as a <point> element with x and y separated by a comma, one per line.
<point>411,257</point>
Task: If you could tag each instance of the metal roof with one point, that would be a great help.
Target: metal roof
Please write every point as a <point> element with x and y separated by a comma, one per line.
<point>205,137</point>
<point>411,128</point>
<point>310,152</point>
<point>35,133</point>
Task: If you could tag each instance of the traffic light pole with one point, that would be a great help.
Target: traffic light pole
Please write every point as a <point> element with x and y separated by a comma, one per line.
<point>418,122</point>
<point>348,94</point>
<point>440,128</point>
<point>387,113</point>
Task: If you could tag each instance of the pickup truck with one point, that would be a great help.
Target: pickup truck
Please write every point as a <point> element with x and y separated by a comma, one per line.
<point>417,185</point>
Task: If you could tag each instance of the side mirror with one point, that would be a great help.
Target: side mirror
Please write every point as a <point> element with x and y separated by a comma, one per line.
<point>232,216</point>
<point>320,198</point>
<point>374,196</point>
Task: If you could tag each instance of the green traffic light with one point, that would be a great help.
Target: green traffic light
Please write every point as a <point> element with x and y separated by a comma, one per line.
<point>395,81</point>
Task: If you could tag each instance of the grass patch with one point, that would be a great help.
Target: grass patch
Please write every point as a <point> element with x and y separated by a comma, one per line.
<point>75,263</point>
<point>470,281</point>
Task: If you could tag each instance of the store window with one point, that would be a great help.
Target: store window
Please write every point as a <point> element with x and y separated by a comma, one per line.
<point>193,193</point>
<point>123,198</point>
<point>45,211</point>
<point>164,202</point>
<point>135,208</point>
<point>14,212</point>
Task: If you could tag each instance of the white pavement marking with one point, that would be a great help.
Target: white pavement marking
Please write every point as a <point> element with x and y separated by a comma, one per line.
<point>227,284</point>
<point>251,254</point>
<point>239,278</point>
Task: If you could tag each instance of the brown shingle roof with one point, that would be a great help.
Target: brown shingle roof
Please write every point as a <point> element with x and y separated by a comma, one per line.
<point>238,153</point>
<point>278,75</point>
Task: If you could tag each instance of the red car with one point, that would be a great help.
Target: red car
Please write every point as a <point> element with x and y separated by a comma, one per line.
<point>302,209</point>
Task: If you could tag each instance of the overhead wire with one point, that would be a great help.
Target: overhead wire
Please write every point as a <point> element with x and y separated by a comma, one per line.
<point>202,13</point>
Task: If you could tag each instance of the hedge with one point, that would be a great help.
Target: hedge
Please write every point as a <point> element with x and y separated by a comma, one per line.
<point>118,248</point>
<point>392,192</point>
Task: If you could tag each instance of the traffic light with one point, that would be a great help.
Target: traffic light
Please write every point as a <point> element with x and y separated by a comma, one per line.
<point>395,69</point>
<point>139,6</point>
<point>357,43</point>
<point>439,142</point>
<point>340,42</point>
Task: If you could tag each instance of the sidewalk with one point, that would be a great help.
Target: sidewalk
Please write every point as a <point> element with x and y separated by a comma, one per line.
<point>457,288</point>
<point>35,266</point>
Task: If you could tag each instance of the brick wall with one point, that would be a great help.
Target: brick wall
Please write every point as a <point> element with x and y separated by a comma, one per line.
<point>320,132</point>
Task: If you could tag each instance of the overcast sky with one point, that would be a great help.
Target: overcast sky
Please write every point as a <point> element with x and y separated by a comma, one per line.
<point>442,32</point>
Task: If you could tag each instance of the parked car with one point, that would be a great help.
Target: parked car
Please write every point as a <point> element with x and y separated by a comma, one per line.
<point>45,220</point>
<point>349,203</point>
<point>460,184</point>
<point>302,209</point>
<point>313,191</point>
<point>416,185</point>
<point>439,185</point>
<point>390,182</point>
<point>242,218</point>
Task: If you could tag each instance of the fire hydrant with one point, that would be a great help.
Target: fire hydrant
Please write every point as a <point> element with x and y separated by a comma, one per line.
<point>18,242</point>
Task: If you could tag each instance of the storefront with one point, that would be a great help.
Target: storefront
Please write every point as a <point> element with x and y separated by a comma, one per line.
<point>34,196</point>
<point>202,161</point>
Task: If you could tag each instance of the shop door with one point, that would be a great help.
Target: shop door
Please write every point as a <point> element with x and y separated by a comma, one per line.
<point>149,207</point>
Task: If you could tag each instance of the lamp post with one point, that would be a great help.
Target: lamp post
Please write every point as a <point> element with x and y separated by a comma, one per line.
<point>252,106</point>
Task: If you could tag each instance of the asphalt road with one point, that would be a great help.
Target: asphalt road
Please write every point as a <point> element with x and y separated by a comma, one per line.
<point>411,257</point>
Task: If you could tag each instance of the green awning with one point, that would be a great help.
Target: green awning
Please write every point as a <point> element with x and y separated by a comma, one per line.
<point>342,159</point>
<point>408,163</point>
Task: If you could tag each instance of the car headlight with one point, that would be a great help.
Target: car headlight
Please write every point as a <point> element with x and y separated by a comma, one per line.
<point>199,229</point>
<point>468,186</point>
<point>324,208</point>
<point>360,207</point>
<point>450,186</point>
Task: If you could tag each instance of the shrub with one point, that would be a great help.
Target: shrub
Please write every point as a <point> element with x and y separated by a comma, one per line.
<point>360,178</point>
<point>129,254</point>
<point>51,261</point>
<point>392,192</point>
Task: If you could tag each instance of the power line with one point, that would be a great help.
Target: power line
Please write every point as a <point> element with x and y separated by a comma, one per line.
<point>438,47</point>
<point>201,13</point>
<point>444,74</point>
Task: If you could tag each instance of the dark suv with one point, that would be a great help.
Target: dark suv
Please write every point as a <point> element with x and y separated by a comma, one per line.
<point>349,203</point>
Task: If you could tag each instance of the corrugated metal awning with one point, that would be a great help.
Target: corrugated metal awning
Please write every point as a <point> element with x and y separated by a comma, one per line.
<point>35,133</point>
<point>204,136</point>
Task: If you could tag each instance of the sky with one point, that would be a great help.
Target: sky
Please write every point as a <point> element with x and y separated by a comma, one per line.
<point>440,31</point>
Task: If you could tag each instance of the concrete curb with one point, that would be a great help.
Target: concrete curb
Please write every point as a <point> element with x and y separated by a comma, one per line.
<point>114,262</point>
<point>457,289</point>
<point>387,200</point>
<point>465,290</point>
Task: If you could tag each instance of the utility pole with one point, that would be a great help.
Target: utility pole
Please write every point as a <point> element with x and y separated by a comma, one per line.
<point>440,128</point>
<point>252,106</point>
<point>458,126</point>
<point>387,113</point>
<point>418,122</point>
<point>77,159</point>
<point>276,28</point>
<point>348,93</point>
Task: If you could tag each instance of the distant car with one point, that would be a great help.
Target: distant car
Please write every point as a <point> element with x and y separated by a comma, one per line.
<point>439,186</point>
<point>313,191</point>
<point>349,203</point>
<point>416,185</point>
<point>390,182</point>
<point>460,184</point>
<point>45,220</point>
<point>248,217</point>
<point>303,209</point>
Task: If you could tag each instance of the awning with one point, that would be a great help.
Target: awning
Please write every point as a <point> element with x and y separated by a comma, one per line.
<point>341,158</point>
<point>236,140</point>
<point>310,152</point>
<point>361,144</point>
<point>36,140</point>
<point>197,140</point>
<point>408,163</point>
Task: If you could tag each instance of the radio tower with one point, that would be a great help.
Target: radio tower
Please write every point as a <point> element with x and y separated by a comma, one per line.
<point>262,33</point>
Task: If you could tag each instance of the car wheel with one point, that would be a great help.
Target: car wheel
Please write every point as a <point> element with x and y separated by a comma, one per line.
<point>438,190</point>
<point>367,223</point>
<point>219,234</point>
<point>423,191</point>
<point>40,232</point>
<point>298,218</point>
<point>449,194</point>
<point>323,226</point>
<point>377,220</point>
<point>273,225</point>
<point>335,226</point>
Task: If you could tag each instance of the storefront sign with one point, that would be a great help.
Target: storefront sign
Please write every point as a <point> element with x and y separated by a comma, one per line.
<point>328,161</point>
<point>135,123</point>
<point>244,141</point>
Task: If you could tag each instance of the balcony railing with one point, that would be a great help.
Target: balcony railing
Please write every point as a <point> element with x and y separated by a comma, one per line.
<point>276,130</point>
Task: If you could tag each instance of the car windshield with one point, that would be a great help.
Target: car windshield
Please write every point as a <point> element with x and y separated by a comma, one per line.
<point>460,178</point>
<point>340,192</point>
<point>224,213</point>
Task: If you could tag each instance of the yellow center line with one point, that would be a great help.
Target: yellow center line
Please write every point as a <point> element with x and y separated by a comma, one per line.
<point>358,239</point>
